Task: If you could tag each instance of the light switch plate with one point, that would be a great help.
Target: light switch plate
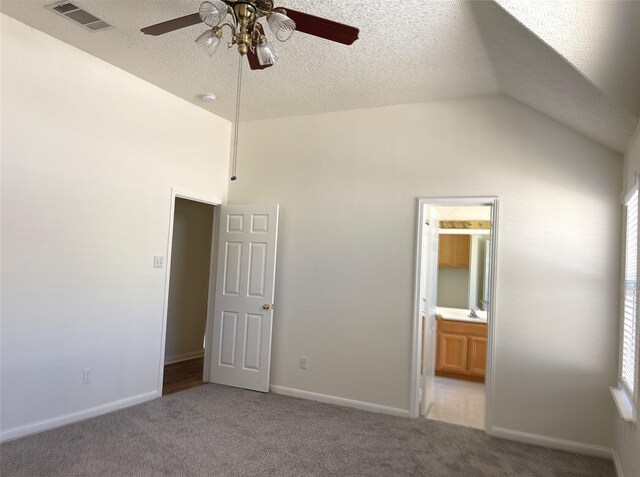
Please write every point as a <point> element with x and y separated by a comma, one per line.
<point>158,261</point>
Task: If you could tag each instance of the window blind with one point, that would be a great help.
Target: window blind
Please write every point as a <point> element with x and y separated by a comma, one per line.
<point>628,368</point>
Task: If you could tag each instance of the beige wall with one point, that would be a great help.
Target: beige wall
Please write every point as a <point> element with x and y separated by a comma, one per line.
<point>626,434</point>
<point>453,287</point>
<point>189,284</point>
<point>464,213</point>
<point>347,184</point>
<point>89,157</point>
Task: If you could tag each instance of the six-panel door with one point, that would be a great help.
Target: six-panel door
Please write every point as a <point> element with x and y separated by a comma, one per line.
<point>244,296</point>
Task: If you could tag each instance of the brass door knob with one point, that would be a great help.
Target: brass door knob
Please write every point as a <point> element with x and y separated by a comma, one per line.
<point>266,306</point>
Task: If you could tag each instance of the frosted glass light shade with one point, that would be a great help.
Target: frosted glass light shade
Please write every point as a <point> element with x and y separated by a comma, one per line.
<point>212,12</point>
<point>281,25</point>
<point>209,42</point>
<point>266,54</point>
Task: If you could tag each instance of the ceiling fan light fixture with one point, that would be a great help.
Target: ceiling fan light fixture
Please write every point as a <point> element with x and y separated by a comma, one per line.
<point>281,25</point>
<point>266,54</point>
<point>212,12</point>
<point>209,41</point>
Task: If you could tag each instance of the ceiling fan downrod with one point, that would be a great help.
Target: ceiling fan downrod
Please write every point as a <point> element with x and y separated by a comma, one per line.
<point>236,124</point>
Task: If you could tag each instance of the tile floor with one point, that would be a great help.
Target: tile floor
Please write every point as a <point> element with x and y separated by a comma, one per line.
<point>458,402</point>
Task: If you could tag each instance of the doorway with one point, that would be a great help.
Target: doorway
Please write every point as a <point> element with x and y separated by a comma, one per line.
<point>454,310</point>
<point>189,284</point>
<point>238,313</point>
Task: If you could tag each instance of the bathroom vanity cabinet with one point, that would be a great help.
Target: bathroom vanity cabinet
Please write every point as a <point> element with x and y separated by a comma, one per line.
<point>461,350</point>
<point>454,250</point>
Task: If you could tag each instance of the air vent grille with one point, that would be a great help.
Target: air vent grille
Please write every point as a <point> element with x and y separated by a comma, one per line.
<point>79,16</point>
<point>65,7</point>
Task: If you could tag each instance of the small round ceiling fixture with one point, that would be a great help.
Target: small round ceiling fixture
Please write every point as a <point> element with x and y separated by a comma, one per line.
<point>208,97</point>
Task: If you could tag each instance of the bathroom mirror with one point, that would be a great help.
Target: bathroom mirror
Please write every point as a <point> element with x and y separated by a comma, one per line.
<point>464,270</point>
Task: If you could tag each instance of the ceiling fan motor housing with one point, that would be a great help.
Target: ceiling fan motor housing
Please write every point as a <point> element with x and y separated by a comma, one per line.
<point>245,12</point>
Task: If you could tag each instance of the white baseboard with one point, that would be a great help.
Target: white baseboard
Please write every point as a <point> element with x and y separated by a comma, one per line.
<point>47,424</point>
<point>552,442</point>
<point>617,465</point>
<point>184,357</point>
<point>364,406</point>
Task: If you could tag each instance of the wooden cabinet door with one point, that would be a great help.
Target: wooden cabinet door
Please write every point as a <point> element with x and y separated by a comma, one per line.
<point>477,363</point>
<point>462,251</point>
<point>452,353</point>
<point>445,250</point>
<point>454,251</point>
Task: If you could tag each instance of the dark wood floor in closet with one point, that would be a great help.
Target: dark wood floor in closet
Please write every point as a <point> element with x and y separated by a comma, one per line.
<point>182,375</point>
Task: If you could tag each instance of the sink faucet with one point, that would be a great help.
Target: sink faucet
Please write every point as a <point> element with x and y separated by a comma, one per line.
<point>473,314</point>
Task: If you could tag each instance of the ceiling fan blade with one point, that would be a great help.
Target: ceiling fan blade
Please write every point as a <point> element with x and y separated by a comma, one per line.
<point>323,28</point>
<point>171,25</point>
<point>254,64</point>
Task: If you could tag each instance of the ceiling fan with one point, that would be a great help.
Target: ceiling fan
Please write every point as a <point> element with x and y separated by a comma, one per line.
<point>243,18</point>
<point>248,33</point>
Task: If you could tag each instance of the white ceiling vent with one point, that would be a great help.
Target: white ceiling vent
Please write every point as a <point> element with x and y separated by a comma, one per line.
<point>79,16</point>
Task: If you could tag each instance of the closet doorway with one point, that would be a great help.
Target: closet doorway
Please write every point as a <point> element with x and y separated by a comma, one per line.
<point>190,272</point>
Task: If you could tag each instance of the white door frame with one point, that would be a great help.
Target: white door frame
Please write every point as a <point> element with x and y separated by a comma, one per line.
<point>494,202</point>
<point>180,194</point>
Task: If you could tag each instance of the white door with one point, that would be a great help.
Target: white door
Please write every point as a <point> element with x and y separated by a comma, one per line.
<point>429,289</point>
<point>244,296</point>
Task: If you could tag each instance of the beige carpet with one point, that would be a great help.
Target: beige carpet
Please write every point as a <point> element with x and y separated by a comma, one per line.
<point>221,431</point>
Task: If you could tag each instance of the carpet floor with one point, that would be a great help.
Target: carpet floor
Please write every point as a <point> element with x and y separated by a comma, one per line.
<point>215,430</point>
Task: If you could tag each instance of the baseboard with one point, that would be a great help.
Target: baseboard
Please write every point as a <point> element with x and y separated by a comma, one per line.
<point>617,465</point>
<point>47,424</point>
<point>184,357</point>
<point>364,406</point>
<point>552,442</point>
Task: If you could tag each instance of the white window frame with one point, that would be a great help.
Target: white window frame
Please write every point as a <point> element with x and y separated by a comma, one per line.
<point>626,396</point>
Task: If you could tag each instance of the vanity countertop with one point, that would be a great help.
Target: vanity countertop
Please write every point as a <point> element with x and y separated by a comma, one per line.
<point>459,314</point>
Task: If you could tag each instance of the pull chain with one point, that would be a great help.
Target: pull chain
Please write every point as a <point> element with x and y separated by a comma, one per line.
<point>236,124</point>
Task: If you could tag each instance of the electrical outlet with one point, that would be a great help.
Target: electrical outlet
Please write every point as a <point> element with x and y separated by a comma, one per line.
<point>86,376</point>
<point>303,362</point>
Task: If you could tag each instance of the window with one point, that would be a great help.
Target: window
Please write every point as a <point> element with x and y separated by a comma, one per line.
<point>626,396</point>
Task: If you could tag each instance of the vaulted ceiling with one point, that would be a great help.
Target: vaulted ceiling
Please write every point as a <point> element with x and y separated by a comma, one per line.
<point>551,59</point>
<point>530,71</point>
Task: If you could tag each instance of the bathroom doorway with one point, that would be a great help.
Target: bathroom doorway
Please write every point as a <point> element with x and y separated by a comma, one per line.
<point>454,310</point>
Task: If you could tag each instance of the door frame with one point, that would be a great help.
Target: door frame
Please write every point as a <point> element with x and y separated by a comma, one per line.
<point>414,390</point>
<point>181,194</point>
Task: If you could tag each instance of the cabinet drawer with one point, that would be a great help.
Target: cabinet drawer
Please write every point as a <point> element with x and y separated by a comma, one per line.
<point>462,328</point>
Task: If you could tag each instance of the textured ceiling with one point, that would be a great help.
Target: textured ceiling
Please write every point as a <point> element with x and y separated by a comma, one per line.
<point>531,72</point>
<point>408,52</point>
<point>403,55</point>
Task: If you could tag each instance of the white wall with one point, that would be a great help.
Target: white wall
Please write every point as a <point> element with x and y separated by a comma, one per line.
<point>626,434</point>
<point>347,184</point>
<point>189,284</point>
<point>89,156</point>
